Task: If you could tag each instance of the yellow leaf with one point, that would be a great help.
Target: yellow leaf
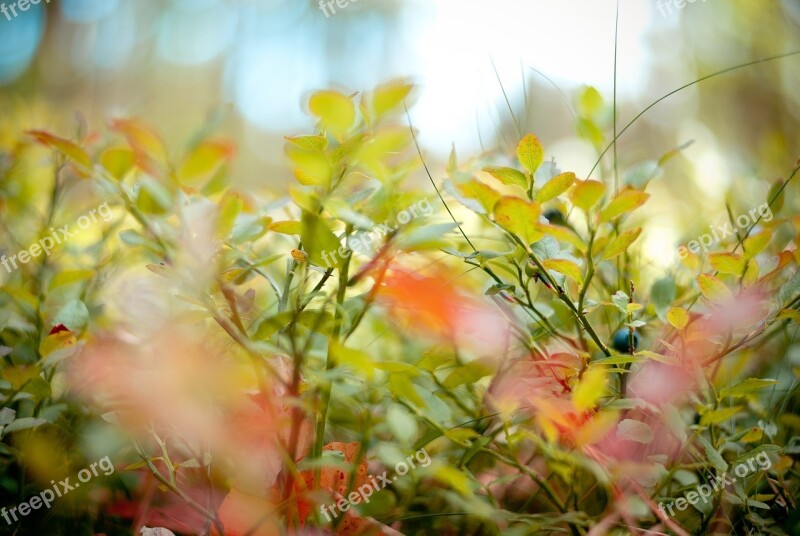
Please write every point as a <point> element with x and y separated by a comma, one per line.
<point>756,243</point>
<point>713,289</point>
<point>727,263</point>
<point>555,186</point>
<point>530,153</point>
<point>562,234</point>
<point>310,143</point>
<point>752,435</point>
<point>336,112</point>
<point>633,307</point>
<point>621,243</point>
<point>518,217</point>
<point>790,313</point>
<point>590,388</point>
<point>508,175</point>
<point>151,155</point>
<point>751,274</point>
<point>229,208</point>
<point>118,161</point>
<point>563,266</point>
<point>597,428</point>
<point>482,193</point>
<point>204,161</point>
<point>389,96</point>
<point>453,478</point>
<point>312,166</point>
<point>677,317</point>
<point>626,201</point>
<point>287,227</point>
<point>586,194</point>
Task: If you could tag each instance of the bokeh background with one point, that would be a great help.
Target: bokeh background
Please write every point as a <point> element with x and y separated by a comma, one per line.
<point>486,70</point>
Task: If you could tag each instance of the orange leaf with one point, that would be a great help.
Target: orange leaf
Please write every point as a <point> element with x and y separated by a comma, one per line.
<point>65,147</point>
<point>151,156</point>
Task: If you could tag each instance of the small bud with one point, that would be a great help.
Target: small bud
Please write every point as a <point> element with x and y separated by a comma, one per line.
<point>299,256</point>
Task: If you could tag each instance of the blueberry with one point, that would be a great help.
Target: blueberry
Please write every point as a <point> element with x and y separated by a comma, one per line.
<point>621,343</point>
<point>554,216</point>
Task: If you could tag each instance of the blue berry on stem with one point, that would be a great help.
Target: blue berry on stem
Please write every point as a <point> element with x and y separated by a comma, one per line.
<point>621,342</point>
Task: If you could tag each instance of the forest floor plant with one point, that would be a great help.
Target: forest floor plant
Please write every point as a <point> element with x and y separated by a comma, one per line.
<point>243,377</point>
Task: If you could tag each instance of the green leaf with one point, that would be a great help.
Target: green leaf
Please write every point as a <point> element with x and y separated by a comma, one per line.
<point>777,204</point>
<point>790,289</point>
<point>768,449</point>
<point>468,373</point>
<point>357,360</point>
<point>427,237</point>
<point>555,186</point>
<point>662,293</point>
<point>621,301</point>
<point>750,385</point>
<point>7,416</point>
<point>23,424</point>
<point>509,176</point>
<point>74,315</point>
<point>530,153</point>
<point>622,359</point>
<point>319,241</point>
<point>719,415</point>
<point>713,455</point>
<point>401,423</point>
<point>401,386</point>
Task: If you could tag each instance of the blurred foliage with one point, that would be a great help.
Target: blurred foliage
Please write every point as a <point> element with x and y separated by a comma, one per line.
<point>222,347</point>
